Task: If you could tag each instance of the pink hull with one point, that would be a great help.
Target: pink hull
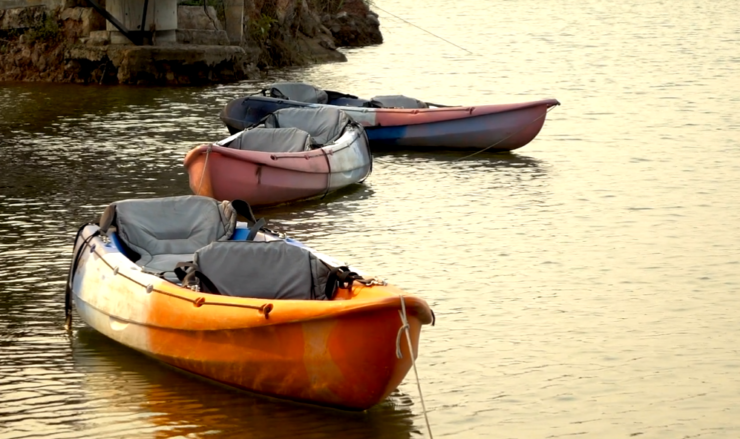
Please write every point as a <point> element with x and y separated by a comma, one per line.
<point>505,126</point>
<point>262,178</point>
<point>498,127</point>
<point>259,185</point>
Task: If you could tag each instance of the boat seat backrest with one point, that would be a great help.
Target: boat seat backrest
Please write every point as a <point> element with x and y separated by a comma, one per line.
<point>272,140</point>
<point>265,270</point>
<point>324,124</point>
<point>165,231</point>
<point>298,91</point>
<point>398,101</point>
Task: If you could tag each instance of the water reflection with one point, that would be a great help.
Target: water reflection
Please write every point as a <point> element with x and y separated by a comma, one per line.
<point>470,159</point>
<point>584,281</point>
<point>164,402</point>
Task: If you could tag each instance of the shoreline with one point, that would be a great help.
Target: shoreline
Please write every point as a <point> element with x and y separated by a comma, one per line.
<point>74,43</point>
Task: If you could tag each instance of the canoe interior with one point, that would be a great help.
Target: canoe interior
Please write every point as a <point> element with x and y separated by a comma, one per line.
<point>339,353</point>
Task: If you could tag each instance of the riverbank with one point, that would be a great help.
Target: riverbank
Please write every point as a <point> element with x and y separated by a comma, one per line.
<point>73,43</point>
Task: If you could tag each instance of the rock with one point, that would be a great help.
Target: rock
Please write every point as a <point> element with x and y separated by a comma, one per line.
<point>80,22</point>
<point>22,18</point>
<point>308,22</point>
<point>99,38</point>
<point>296,35</point>
<point>327,43</point>
<point>354,25</point>
<point>286,12</point>
<point>203,37</point>
<point>194,17</point>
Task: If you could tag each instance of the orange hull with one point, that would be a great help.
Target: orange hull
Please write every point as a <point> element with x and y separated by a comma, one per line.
<point>312,361</point>
<point>339,353</point>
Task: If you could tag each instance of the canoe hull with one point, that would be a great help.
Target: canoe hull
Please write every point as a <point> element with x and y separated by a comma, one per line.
<point>497,127</point>
<point>309,362</point>
<point>339,353</point>
<point>503,131</point>
<point>263,178</point>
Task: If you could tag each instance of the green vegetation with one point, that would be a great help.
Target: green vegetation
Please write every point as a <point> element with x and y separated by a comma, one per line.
<point>277,48</point>
<point>259,29</point>
<point>48,31</point>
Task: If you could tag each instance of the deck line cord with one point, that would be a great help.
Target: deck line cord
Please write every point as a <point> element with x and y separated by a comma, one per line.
<point>197,302</point>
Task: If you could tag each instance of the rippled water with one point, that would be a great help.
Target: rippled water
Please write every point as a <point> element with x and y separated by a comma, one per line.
<point>584,285</point>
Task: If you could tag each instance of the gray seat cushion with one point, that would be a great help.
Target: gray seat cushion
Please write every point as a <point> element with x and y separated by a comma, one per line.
<point>298,91</point>
<point>398,101</point>
<point>272,140</point>
<point>265,270</point>
<point>324,124</point>
<point>164,231</point>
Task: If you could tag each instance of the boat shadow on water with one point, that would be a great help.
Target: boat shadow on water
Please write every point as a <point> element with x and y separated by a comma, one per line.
<point>479,158</point>
<point>175,403</point>
<point>347,195</point>
<point>461,165</point>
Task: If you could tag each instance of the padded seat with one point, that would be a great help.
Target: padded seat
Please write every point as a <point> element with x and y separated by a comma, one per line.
<point>263,270</point>
<point>272,140</point>
<point>398,101</point>
<point>324,124</point>
<point>164,231</point>
<point>298,91</point>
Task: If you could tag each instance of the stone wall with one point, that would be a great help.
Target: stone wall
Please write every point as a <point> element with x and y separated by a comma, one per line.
<point>66,41</point>
<point>18,4</point>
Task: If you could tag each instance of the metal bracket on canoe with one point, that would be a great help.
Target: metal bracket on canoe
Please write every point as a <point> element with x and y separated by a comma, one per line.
<point>136,37</point>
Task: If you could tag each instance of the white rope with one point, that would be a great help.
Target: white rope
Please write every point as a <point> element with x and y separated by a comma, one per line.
<point>374,6</point>
<point>507,137</point>
<point>405,327</point>
<point>203,174</point>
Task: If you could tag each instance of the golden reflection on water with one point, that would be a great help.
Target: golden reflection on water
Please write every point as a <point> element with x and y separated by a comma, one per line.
<point>160,401</point>
<point>583,285</point>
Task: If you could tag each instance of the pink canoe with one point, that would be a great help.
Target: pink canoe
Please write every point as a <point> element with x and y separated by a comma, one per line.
<point>399,122</point>
<point>295,154</point>
<point>495,127</point>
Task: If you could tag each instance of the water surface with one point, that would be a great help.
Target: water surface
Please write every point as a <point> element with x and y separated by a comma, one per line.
<point>584,285</point>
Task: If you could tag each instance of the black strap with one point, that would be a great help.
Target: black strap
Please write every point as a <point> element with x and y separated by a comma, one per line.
<point>206,283</point>
<point>340,277</point>
<point>188,272</point>
<point>244,209</point>
<point>440,105</point>
<point>275,93</point>
<point>373,104</point>
<point>255,228</point>
<point>73,271</point>
<point>181,269</point>
<point>108,219</point>
<point>255,225</point>
<point>332,95</point>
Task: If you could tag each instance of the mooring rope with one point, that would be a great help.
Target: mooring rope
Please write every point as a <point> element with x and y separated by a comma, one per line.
<point>203,174</point>
<point>374,6</point>
<point>510,135</point>
<point>405,328</point>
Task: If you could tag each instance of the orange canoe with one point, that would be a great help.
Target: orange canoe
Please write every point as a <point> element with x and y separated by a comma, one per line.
<point>340,352</point>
